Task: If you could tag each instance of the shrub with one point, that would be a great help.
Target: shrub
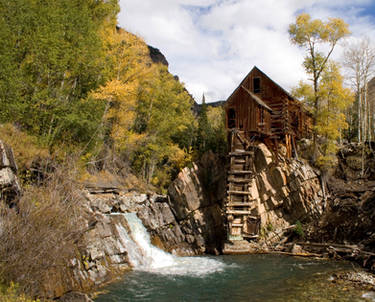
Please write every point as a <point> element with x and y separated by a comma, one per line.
<point>39,238</point>
<point>299,229</point>
<point>13,294</point>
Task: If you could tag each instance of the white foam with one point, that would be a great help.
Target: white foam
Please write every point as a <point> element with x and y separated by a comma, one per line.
<point>369,296</point>
<point>143,256</point>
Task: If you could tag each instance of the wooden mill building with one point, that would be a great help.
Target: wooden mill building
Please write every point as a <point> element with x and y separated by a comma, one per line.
<point>257,110</point>
<point>261,108</point>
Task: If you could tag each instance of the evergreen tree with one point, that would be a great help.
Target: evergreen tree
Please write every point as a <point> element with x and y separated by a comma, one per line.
<point>203,132</point>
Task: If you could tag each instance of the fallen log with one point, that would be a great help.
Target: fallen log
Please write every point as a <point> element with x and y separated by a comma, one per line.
<point>341,248</point>
<point>296,254</point>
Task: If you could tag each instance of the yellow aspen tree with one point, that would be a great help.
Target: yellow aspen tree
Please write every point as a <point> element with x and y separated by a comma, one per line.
<point>334,99</point>
<point>314,35</point>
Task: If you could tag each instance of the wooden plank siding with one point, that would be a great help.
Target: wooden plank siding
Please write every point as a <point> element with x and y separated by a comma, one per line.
<point>250,116</point>
<point>264,108</point>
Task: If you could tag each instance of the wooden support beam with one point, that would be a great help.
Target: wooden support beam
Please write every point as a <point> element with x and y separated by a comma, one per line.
<point>239,204</point>
<point>238,192</point>
<point>240,161</point>
<point>238,212</point>
<point>240,181</point>
<point>238,153</point>
<point>250,236</point>
<point>240,172</point>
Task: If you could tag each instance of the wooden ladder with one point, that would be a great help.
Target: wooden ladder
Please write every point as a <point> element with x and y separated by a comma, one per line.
<point>239,205</point>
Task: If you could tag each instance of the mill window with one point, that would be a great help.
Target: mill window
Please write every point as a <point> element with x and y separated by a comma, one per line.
<point>231,118</point>
<point>256,85</point>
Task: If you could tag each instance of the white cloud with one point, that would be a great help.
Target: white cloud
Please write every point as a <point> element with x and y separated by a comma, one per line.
<point>212,44</point>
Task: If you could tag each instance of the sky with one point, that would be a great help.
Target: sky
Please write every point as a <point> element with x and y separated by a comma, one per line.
<point>213,44</point>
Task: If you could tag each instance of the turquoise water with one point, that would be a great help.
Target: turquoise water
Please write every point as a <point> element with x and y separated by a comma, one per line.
<point>241,278</point>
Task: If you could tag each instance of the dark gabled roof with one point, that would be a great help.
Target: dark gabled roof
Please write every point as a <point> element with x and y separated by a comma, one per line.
<point>282,89</point>
<point>256,98</point>
<point>256,68</point>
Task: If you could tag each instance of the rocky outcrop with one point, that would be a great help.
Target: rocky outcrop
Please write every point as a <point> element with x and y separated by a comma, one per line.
<point>187,223</point>
<point>196,199</point>
<point>280,193</point>
<point>285,190</point>
<point>10,189</point>
<point>350,213</point>
<point>156,56</point>
<point>103,247</point>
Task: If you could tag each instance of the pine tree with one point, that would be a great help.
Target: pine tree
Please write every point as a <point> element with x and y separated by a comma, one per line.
<point>203,132</point>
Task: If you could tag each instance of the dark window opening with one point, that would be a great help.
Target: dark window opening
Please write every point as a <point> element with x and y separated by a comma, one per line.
<point>256,85</point>
<point>261,120</point>
<point>231,118</point>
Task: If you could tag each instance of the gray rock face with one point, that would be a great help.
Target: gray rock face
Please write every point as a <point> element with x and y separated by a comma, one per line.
<point>285,191</point>
<point>186,193</point>
<point>104,249</point>
<point>10,189</point>
<point>189,222</point>
<point>196,199</point>
<point>156,56</point>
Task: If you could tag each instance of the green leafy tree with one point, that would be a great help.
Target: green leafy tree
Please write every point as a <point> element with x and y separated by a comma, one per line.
<point>52,58</point>
<point>211,133</point>
<point>164,118</point>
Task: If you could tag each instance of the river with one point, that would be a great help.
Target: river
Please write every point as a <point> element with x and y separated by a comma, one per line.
<point>159,276</point>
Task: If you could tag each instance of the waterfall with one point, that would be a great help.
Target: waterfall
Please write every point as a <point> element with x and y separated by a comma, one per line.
<point>143,256</point>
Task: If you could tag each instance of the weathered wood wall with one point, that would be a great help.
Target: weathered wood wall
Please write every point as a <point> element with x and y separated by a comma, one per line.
<point>249,115</point>
<point>287,117</point>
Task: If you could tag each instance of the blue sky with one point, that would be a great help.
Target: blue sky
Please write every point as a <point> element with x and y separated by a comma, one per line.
<point>211,45</point>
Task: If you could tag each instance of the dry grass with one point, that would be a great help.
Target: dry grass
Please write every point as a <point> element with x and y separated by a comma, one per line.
<point>25,147</point>
<point>41,236</point>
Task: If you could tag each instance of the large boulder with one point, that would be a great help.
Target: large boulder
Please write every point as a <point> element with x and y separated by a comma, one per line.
<point>263,157</point>
<point>10,189</point>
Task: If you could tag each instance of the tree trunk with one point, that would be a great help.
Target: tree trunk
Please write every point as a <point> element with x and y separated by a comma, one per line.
<point>315,119</point>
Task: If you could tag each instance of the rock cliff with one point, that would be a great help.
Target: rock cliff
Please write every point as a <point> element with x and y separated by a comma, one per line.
<point>349,217</point>
<point>286,190</point>
<point>196,199</point>
<point>157,56</point>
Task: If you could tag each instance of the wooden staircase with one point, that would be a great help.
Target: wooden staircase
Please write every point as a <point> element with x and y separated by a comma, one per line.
<point>241,224</point>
